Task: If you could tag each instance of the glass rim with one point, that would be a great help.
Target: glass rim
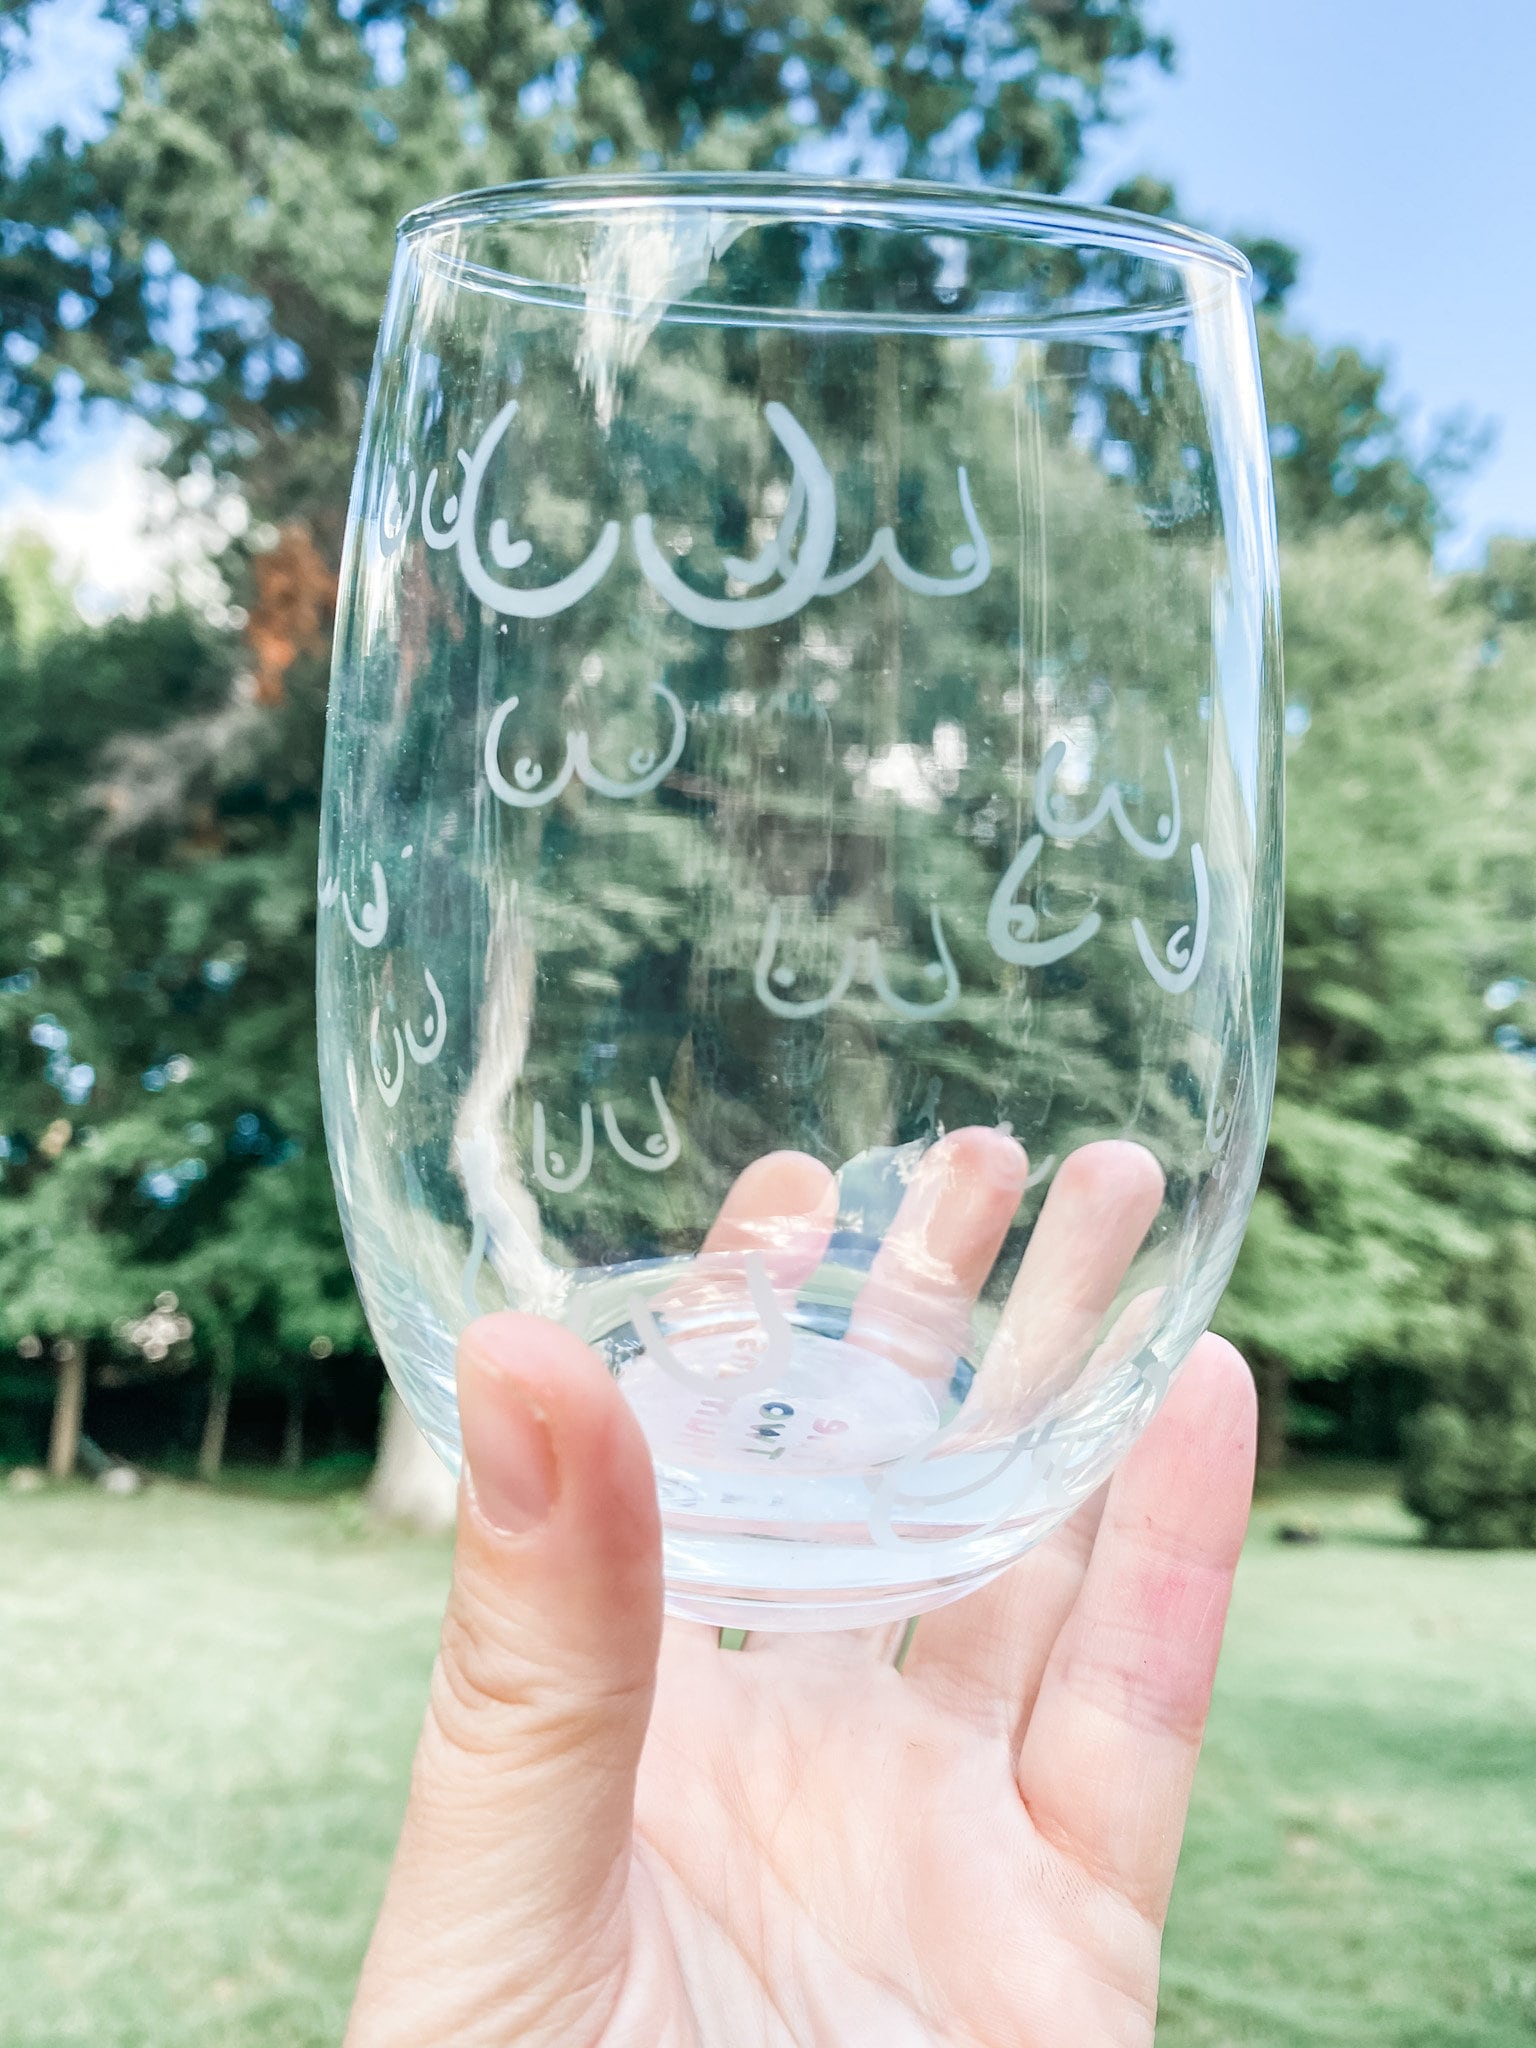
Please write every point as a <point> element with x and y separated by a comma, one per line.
<point>924,205</point>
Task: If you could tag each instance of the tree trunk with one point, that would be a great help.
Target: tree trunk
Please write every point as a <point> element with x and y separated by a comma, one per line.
<point>410,1483</point>
<point>210,1456</point>
<point>1274,1382</point>
<point>292,1458</point>
<point>68,1408</point>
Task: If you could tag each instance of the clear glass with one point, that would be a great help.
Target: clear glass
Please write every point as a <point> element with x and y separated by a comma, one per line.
<point>800,875</point>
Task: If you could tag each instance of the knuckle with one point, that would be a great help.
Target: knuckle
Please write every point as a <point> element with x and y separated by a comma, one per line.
<point>495,1696</point>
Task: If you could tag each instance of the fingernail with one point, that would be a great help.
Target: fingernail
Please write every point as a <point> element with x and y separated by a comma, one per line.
<point>507,1448</point>
<point>983,1150</point>
<point>1007,1161</point>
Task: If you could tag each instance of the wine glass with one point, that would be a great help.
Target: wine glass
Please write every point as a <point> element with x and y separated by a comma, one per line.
<point>800,874</point>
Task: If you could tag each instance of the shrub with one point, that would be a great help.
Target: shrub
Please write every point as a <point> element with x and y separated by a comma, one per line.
<point>1470,1467</point>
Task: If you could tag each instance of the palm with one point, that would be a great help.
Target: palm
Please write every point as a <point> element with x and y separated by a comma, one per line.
<point>975,1849</point>
<point>844,1857</point>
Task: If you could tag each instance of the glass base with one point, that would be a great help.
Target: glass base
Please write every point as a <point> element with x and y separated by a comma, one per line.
<point>791,1447</point>
<point>785,1612</point>
<point>748,1436</point>
<point>783,1448</point>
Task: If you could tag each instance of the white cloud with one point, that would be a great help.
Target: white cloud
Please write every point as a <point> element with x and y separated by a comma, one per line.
<point>124,537</point>
<point>65,74</point>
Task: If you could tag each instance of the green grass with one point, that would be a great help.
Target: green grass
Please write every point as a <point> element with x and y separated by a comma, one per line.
<point>207,1707</point>
<point>1360,1867</point>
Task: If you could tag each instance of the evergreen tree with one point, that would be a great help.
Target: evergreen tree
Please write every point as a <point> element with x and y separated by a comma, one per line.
<point>218,260</point>
<point>217,263</point>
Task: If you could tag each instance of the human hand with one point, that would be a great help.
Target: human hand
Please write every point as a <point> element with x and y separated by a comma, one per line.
<point>797,1843</point>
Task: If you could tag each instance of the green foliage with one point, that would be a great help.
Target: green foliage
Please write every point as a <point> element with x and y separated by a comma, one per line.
<point>1341,453</point>
<point>1470,1469</point>
<point>1504,589</point>
<point>217,263</point>
<point>1403,1139</point>
<point>35,606</point>
<point>161,1122</point>
<point>219,258</point>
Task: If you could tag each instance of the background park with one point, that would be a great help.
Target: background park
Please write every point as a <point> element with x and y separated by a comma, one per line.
<point>216,1631</point>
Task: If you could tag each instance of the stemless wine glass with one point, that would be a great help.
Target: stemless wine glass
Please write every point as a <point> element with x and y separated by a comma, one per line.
<point>800,875</point>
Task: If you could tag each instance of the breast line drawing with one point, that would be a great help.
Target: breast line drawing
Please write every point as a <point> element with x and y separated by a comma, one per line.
<point>369,927</point>
<point>778,1351</point>
<point>1013,927</point>
<point>862,958</point>
<point>1185,953</point>
<point>524,789</point>
<point>421,1051</point>
<point>1111,804</point>
<point>657,1152</point>
<point>1062,1459</point>
<point>799,553</point>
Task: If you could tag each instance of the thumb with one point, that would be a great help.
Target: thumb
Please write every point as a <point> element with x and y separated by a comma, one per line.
<point>505,1906</point>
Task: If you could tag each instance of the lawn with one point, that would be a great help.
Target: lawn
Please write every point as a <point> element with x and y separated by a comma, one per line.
<point>209,1702</point>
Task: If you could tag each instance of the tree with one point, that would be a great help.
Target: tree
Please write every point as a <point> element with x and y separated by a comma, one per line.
<point>217,263</point>
<point>1342,451</point>
<point>1404,1137</point>
<point>1401,1133</point>
<point>1470,1469</point>
<point>155,931</point>
<point>218,260</point>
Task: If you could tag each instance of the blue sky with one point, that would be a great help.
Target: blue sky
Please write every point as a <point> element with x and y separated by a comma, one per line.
<point>1391,140</point>
<point>1394,142</point>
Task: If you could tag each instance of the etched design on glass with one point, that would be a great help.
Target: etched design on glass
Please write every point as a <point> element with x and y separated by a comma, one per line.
<point>438,537</point>
<point>1111,803</point>
<point>1011,925</point>
<point>812,494</point>
<point>425,1049</point>
<point>506,553</point>
<point>525,790</point>
<point>1218,1125</point>
<point>329,890</point>
<point>804,575</point>
<point>391,531</point>
<point>1185,953</point>
<point>892,1490</point>
<point>549,1168</point>
<point>861,958</point>
<point>421,1050</point>
<point>971,559</point>
<point>660,1149</point>
<point>1063,1460</point>
<point>389,1089</point>
<point>778,1351</point>
<point>370,926</point>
